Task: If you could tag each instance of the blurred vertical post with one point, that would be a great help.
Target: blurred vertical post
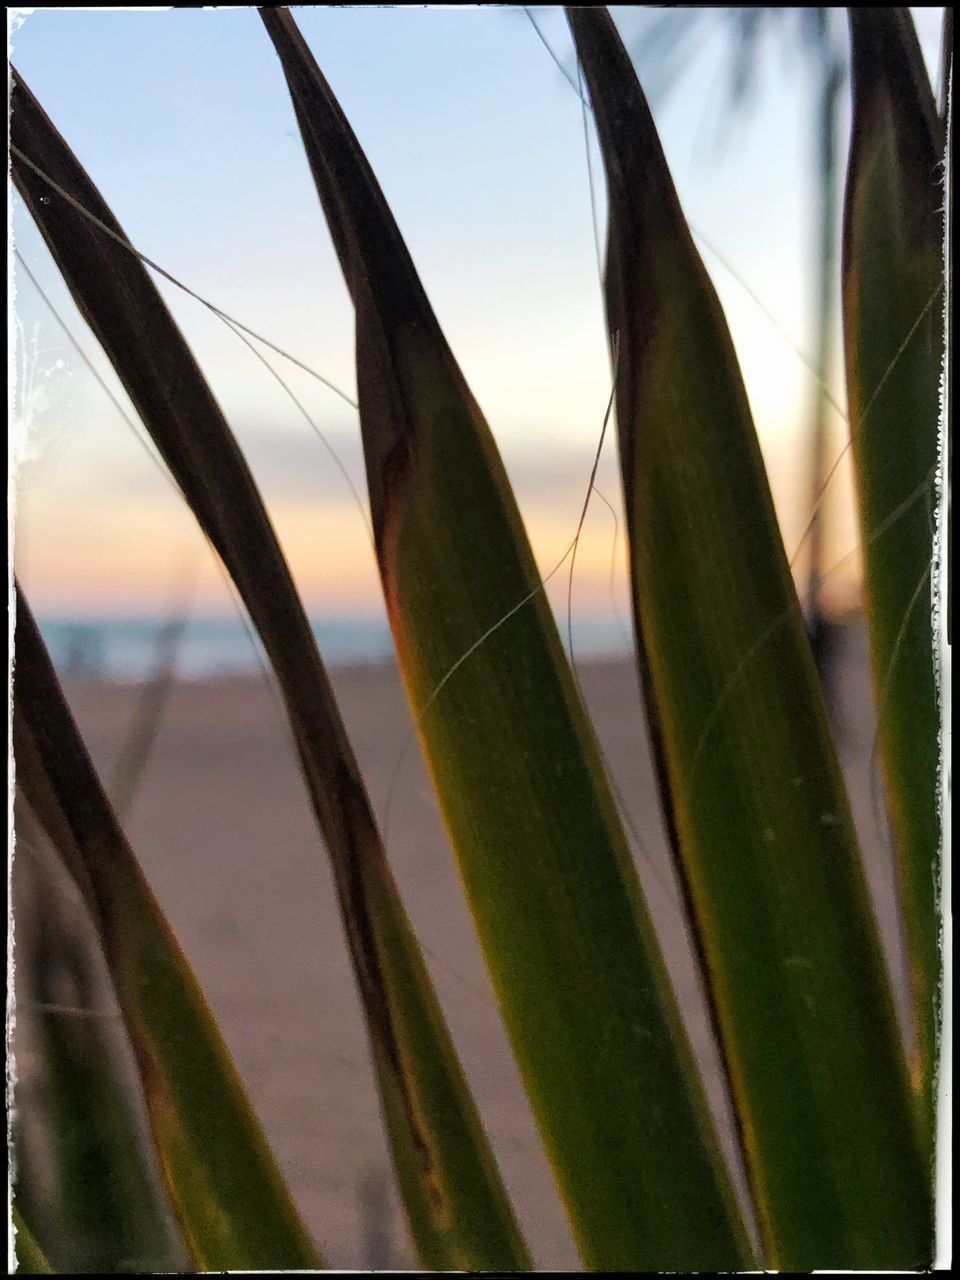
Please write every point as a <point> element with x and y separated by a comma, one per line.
<point>822,631</point>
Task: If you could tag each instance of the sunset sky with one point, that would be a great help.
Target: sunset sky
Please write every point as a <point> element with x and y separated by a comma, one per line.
<point>183,120</point>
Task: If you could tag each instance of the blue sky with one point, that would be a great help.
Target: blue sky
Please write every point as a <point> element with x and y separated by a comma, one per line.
<point>183,120</point>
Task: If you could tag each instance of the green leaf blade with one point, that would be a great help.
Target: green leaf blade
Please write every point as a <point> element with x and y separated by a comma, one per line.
<point>546,867</point>
<point>452,1190</point>
<point>754,801</point>
<point>893,311</point>
<point>230,1200</point>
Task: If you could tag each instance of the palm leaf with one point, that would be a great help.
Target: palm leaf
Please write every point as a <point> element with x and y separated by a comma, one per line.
<point>547,869</point>
<point>892,303</point>
<point>455,1201</point>
<point>754,802</point>
<point>227,1192</point>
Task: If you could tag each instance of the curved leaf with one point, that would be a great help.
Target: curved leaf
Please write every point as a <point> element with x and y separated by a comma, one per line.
<point>455,1200</point>
<point>755,804</point>
<point>227,1192</point>
<point>547,869</point>
<point>893,314</point>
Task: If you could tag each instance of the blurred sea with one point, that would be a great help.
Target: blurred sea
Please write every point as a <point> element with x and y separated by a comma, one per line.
<point>128,649</point>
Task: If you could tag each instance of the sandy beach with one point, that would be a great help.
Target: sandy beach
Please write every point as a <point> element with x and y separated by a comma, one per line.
<point>225,834</point>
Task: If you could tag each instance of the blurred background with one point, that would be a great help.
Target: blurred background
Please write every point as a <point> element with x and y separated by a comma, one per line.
<point>183,119</point>
<point>472,122</point>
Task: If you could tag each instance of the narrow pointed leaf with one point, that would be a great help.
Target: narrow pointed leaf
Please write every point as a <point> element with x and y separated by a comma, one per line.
<point>226,1189</point>
<point>755,804</point>
<point>893,327</point>
<point>103,1207</point>
<point>455,1201</point>
<point>547,870</point>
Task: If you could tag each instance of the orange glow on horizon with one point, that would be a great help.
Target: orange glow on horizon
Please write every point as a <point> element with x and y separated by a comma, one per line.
<point>134,556</point>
